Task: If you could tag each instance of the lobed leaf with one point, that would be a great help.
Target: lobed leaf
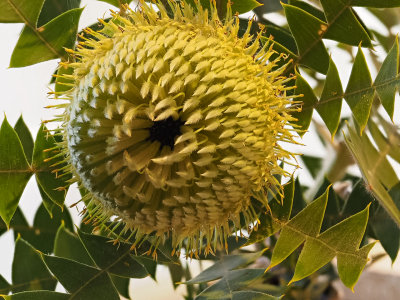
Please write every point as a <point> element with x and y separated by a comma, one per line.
<point>360,80</point>
<point>14,171</point>
<point>81,281</point>
<point>359,93</point>
<point>28,270</point>
<point>68,245</point>
<point>342,21</point>
<point>308,31</point>
<point>47,42</point>
<point>116,259</point>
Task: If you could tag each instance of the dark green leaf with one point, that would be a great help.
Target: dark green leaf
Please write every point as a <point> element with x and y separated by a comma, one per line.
<point>311,9</point>
<point>46,227</point>
<point>116,258</point>
<point>82,281</point>
<point>388,71</point>
<point>343,25</point>
<point>223,266</point>
<point>25,137</point>
<point>55,188</point>
<point>68,245</point>
<point>232,281</point>
<point>14,171</point>
<point>47,202</point>
<point>53,8</point>
<point>20,11</point>
<point>47,42</point>
<point>329,110</point>
<point>37,295</point>
<point>176,271</point>
<point>313,164</point>
<point>309,100</point>
<point>122,285</point>
<point>28,270</point>
<point>4,286</point>
<point>244,6</point>
<point>376,3</point>
<point>360,80</point>
<point>308,32</point>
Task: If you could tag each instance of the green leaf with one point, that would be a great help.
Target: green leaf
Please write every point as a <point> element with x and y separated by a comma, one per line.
<point>308,222</point>
<point>28,270</point>
<point>47,42</point>
<point>311,9</point>
<point>116,258</point>
<point>55,188</point>
<point>232,281</point>
<point>251,295</point>
<point>312,163</point>
<point>122,285</point>
<point>343,25</point>
<point>68,245</point>
<point>176,272</point>
<point>244,6</point>
<point>341,240</point>
<point>47,202</point>
<point>330,110</point>
<point>224,266</point>
<point>14,171</point>
<point>360,80</point>
<point>308,32</point>
<point>376,170</point>
<point>37,295</point>
<point>25,137</point>
<point>387,143</point>
<point>4,286</point>
<point>46,227</point>
<point>309,100</point>
<point>53,8</point>
<point>20,11</point>
<point>376,3</point>
<point>388,71</point>
<point>82,281</point>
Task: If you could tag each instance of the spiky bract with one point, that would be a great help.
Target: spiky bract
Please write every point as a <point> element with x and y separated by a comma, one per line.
<point>174,122</point>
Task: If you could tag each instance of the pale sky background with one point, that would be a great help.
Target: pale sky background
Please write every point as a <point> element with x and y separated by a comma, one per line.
<point>24,91</point>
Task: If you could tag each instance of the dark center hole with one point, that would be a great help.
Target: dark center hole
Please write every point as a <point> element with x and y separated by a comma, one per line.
<point>166,131</point>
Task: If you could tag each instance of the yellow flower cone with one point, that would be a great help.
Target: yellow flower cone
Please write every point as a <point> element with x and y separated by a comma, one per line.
<point>173,124</point>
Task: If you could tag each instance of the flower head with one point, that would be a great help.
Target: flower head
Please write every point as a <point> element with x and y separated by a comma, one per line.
<point>174,123</point>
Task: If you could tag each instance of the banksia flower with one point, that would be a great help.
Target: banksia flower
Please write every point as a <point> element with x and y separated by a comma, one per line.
<point>173,124</point>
